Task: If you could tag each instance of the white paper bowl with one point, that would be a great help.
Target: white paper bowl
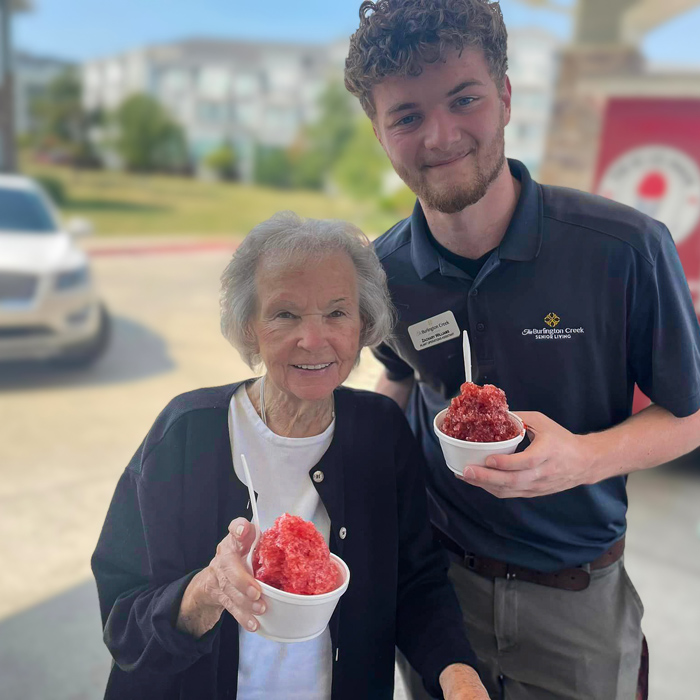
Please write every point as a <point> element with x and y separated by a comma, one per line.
<point>462,453</point>
<point>291,617</point>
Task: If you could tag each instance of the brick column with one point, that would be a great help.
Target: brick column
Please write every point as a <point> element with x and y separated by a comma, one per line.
<point>572,143</point>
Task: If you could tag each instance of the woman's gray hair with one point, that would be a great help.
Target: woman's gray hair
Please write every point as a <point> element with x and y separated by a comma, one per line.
<point>287,239</point>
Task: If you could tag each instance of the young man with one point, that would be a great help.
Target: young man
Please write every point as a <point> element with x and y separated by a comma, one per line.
<point>569,300</point>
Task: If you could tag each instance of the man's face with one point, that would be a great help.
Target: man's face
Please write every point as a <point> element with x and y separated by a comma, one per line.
<point>443,130</point>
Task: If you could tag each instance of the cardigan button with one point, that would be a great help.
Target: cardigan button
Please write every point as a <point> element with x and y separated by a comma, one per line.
<point>343,533</point>
<point>318,477</point>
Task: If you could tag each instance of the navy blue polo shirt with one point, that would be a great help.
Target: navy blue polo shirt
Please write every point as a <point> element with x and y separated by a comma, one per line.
<point>583,298</point>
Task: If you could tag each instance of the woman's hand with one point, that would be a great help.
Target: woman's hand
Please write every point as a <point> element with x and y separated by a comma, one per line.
<point>226,584</point>
<point>462,682</point>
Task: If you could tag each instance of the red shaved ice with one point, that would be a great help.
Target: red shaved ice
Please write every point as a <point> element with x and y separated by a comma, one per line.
<point>479,414</point>
<point>292,556</point>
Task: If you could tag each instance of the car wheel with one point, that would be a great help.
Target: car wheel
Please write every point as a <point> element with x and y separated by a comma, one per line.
<point>86,354</point>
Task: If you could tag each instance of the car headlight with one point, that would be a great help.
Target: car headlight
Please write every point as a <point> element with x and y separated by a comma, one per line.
<point>72,278</point>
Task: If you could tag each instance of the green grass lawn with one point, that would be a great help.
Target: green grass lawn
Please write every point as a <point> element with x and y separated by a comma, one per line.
<point>126,204</point>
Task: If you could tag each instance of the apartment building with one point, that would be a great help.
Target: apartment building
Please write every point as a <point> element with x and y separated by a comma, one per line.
<point>533,60</point>
<point>221,90</point>
<point>249,92</point>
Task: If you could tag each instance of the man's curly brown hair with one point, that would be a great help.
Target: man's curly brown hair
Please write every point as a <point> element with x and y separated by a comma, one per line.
<point>398,37</point>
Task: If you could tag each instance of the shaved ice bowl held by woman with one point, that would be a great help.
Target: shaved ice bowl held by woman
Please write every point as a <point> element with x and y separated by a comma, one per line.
<point>292,559</point>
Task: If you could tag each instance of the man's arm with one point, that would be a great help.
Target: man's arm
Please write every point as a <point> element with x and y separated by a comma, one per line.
<point>400,390</point>
<point>558,460</point>
<point>652,437</point>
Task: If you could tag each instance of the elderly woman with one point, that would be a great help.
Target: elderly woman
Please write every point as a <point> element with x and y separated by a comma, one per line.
<point>179,606</point>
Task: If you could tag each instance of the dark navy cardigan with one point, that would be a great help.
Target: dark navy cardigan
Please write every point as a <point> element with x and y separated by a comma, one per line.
<point>173,504</point>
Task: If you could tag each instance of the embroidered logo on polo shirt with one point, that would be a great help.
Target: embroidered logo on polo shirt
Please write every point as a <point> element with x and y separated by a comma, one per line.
<point>552,320</point>
<point>553,332</point>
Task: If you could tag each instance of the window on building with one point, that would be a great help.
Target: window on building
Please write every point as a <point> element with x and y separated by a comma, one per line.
<point>246,85</point>
<point>247,115</point>
<point>212,113</point>
<point>281,77</point>
<point>214,83</point>
<point>281,120</point>
<point>174,80</point>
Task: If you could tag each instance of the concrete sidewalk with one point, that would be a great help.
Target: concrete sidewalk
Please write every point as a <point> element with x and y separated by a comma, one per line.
<point>54,651</point>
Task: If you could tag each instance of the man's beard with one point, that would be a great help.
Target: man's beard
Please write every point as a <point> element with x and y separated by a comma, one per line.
<point>459,195</point>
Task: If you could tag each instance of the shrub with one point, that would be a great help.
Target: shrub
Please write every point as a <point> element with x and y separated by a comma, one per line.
<point>223,161</point>
<point>272,167</point>
<point>54,188</point>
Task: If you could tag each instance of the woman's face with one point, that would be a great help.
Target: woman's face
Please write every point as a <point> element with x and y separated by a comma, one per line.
<point>307,324</point>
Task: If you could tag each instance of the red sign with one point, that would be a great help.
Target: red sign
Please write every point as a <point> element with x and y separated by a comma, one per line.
<point>650,159</point>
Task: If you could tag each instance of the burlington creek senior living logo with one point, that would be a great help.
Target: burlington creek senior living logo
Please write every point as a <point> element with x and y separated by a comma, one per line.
<point>553,331</point>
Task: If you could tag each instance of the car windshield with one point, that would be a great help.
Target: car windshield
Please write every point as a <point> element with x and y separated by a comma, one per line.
<point>23,210</point>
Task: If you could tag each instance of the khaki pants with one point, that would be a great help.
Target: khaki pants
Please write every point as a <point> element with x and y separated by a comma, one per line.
<point>539,643</point>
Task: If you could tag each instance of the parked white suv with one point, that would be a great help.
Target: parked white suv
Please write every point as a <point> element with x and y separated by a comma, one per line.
<point>49,309</point>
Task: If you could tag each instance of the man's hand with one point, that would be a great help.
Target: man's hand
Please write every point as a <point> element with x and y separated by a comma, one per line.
<point>558,460</point>
<point>461,682</point>
<point>555,461</point>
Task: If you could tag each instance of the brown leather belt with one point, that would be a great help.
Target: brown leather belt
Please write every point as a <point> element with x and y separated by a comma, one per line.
<point>574,579</point>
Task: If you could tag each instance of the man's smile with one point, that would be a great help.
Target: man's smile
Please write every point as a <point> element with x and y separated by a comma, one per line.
<point>448,161</point>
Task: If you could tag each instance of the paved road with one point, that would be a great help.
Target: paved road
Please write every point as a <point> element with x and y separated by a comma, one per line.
<point>66,437</point>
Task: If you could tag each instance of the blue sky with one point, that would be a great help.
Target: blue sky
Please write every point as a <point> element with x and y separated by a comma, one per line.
<point>81,29</point>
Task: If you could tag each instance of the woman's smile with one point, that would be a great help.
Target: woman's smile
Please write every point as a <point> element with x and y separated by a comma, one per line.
<point>313,368</point>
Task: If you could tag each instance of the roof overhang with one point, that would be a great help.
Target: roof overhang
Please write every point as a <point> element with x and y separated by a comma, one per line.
<point>631,19</point>
<point>646,15</point>
<point>21,5</point>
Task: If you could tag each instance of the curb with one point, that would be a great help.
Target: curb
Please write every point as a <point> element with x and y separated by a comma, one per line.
<point>160,249</point>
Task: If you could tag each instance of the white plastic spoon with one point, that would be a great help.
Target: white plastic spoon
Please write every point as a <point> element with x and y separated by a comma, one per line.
<point>254,506</point>
<point>466,349</point>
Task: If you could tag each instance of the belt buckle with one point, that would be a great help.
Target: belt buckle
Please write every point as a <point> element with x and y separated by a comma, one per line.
<point>470,561</point>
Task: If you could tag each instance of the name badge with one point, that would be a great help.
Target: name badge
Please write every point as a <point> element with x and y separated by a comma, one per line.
<point>433,331</point>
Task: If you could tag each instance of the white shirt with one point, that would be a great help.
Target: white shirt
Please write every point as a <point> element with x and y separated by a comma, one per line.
<point>279,467</point>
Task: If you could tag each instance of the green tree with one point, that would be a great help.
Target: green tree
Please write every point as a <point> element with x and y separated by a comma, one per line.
<point>148,139</point>
<point>60,122</point>
<point>362,165</point>
<point>322,143</point>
